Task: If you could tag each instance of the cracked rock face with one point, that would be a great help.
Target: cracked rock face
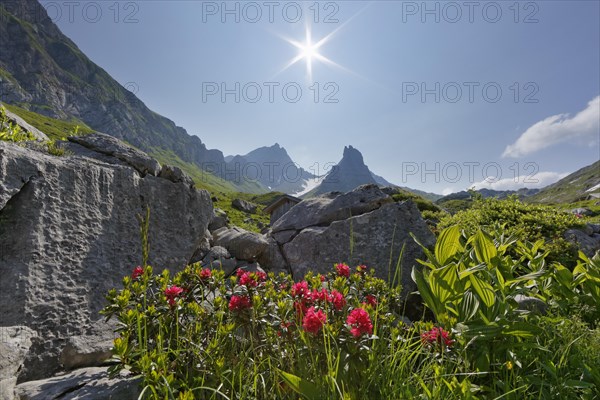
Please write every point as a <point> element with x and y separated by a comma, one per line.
<point>325,209</point>
<point>85,383</point>
<point>69,232</point>
<point>363,226</point>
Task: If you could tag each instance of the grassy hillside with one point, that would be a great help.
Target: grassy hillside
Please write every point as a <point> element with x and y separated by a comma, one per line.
<point>54,128</point>
<point>572,188</point>
<point>251,222</point>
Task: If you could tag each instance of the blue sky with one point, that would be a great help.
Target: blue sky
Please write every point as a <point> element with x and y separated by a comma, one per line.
<point>437,96</point>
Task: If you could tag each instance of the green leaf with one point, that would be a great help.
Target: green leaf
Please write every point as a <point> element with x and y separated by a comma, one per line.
<point>564,276</point>
<point>468,306</point>
<point>430,256</point>
<point>484,290</point>
<point>575,384</point>
<point>443,282</point>
<point>472,270</point>
<point>522,329</point>
<point>448,244</point>
<point>486,331</point>
<point>425,292</point>
<point>528,277</point>
<point>301,386</point>
<point>484,247</point>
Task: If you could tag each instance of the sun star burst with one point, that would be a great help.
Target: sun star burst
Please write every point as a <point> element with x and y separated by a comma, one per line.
<point>308,51</point>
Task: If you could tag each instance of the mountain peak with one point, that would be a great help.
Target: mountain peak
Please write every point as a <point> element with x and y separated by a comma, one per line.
<point>352,155</point>
<point>349,173</point>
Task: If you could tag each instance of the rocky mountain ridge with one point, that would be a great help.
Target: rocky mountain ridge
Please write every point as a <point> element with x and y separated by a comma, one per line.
<point>43,70</point>
<point>583,184</point>
<point>349,173</point>
<point>273,168</point>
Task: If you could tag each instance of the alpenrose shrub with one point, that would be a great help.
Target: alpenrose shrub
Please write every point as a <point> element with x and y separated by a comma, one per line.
<point>199,334</point>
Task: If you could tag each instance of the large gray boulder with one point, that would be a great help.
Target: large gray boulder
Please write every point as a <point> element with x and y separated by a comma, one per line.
<point>175,174</point>
<point>325,209</point>
<point>375,239</point>
<point>81,384</point>
<point>69,232</point>
<point>589,244</point>
<point>272,258</point>
<point>243,205</point>
<point>219,220</point>
<point>219,258</point>
<point>92,348</point>
<point>242,244</point>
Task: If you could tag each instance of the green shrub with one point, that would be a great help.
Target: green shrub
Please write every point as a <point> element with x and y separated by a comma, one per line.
<point>473,282</point>
<point>455,205</point>
<point>57,149</point>
<point>202,335</point>
<point>11,132</point>
<point>528,222</point>
<point>421,203</point>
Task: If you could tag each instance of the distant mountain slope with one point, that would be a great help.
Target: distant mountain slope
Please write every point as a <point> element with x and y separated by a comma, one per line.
<point>42,70</point>
<point>485,193</point>
<point>577,186</point>
<point>273,168</point>
<point>381,181</point>
<point>426,195</point>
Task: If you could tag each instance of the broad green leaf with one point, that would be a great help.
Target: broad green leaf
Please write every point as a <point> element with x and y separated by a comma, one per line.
<point>425,292</point>
<point>472,270</point>
<point>430,256</point>
<point>442,282</point>
<point>522,329</point>
<point>478,329</point>
<point>501,280</point>
<point>528,277</point>
<point>301,386</point>
<point>583,257</point>
<point>579,270</point>
<point>468,306</point>
<point>564,276</point>
<point>448,244</point>
<point>484,247</point>
<point>483,289</point>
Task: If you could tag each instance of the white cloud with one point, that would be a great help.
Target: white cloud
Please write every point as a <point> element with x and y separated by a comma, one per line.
<point>448,191</point>
<point>585,125</point>
<point>536,181</point>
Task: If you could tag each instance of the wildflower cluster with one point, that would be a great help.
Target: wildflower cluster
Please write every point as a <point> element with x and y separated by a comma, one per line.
<point>437,337</point>
<point>220,316</point>
<point>343,335</point>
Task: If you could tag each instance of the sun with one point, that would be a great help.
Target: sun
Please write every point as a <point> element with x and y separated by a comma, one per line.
<point>308,51</point>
